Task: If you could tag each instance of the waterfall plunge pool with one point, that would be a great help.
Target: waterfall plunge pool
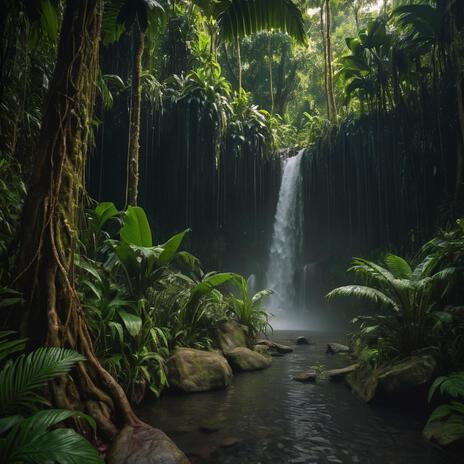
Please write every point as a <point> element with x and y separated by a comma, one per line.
<point>267,418</point>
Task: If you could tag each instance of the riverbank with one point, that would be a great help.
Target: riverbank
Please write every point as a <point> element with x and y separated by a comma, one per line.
<point>266,417</point>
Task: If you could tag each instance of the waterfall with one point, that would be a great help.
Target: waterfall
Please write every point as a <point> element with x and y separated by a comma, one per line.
<point>287,239</point>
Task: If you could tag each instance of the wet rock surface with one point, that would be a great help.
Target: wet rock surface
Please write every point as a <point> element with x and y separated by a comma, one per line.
<point>335,348</point>
<point>231,335</point>
<point>191,370</point>
<point>275,347</point>
<point>280,421</point>
<point>243,359</point>
<point>308,376</point>
<point>145,445</point>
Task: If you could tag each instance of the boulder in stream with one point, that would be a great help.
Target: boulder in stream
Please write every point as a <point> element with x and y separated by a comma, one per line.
<point>308,376</point>
<point>335,348</point>
<point>402,380</point>
<point>273,346</point>
<point>144,445</point>
<point>244,359</point>
<point>191,370</point>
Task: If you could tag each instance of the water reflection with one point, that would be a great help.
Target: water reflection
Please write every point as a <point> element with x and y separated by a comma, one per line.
<point>273,419</point>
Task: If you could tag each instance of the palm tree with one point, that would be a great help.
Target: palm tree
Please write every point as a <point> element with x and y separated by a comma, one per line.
<point>239,18</point>
<point>410,295</point>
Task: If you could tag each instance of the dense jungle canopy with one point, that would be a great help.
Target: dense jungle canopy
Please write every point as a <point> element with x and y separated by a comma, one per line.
<point>145,143</point>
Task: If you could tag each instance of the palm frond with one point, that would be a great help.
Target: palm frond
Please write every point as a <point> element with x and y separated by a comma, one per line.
<point>28,373</point>
<point>360,291</point>
<point>29,441</point>
<point>238,18</point>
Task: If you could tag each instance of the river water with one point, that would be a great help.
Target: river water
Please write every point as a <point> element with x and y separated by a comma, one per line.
<point>265,417</point>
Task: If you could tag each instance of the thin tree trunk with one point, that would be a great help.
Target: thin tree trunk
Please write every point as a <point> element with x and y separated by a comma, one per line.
<point>239,64</point>
<point>52,314</point>
<point>134,123</point>
<point>271,85</point>
<point>330,86</point>
<point>458,50</point>
<point>324,49</point>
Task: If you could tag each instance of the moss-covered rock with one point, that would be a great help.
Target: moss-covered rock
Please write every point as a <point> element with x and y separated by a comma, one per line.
<point>261,349</point>
<point>193,370</point>
<point>395,381</point>
<point>244,359</point>
<point>231,335</point>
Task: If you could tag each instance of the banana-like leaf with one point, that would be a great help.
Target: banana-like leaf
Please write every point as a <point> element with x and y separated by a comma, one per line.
<point>398,266</point>
<point>170,248</point>
<point>105,211</point>
<point>136,229</point>
<point>132,322</point>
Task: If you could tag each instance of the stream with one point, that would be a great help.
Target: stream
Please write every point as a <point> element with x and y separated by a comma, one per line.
<point>265,417</point>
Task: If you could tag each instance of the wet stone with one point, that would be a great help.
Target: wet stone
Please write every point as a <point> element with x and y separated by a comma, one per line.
<point>302,341</point>
<point>308,376</point>
<point>229,441</point>
<point>335,348</point>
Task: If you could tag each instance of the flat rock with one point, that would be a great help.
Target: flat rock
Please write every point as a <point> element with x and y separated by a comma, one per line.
<point>339,374</point>
<point>308,376</point>
<point>191,370</point>
<point>334,348</point>
<point>273,346</point>
<point>244,359</point>
<point>144,445</point>
<point>229,441</point>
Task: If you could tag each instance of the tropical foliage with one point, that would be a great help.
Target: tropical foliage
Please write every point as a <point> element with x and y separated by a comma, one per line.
<point>27,422</point>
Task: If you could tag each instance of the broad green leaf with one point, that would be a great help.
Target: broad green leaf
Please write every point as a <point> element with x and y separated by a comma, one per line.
<point>132,322</point>
<point>170,248</point>
<point>105,211</point>
<point>136,229</point>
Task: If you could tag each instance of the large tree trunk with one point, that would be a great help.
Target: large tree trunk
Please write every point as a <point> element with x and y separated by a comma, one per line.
<point>134,123</point>
<point>52,313</point>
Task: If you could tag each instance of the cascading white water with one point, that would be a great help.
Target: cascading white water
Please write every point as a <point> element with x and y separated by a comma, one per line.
<point>287,238</point>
